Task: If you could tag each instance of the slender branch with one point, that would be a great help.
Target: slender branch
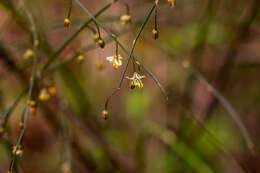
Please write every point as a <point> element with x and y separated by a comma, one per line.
<point>32,82</point>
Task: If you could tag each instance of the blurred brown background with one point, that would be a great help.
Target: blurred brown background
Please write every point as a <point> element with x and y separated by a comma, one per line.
<point>192,131</point>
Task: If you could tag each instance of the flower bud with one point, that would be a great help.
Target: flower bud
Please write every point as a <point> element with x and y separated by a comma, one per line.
<point>101,43</point>
<point>80,58</point>
<point>52,91</point>
<point>172,3</point>
<point>155,34</point>
<point>19,151</point>
<point>125,19</point>
<point>100,66</point>
<point>21,125</point>
<point>44,95</point>
<point>67,22</point>
<point>32,111</point>
<point>2,130</point>
<point>105,114</point>
<point>33,106</point>
<point>28,54</point>
<point>96,37</point>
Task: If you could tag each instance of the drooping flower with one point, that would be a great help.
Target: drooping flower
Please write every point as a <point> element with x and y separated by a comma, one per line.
<point>136,80</point>
<point>116,60</point>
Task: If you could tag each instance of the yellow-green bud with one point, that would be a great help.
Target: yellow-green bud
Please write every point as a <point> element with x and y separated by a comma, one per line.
<point>105,114</point>
<point>155,34</point>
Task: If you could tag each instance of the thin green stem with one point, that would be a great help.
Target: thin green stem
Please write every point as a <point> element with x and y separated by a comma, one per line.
<point>32,82</point>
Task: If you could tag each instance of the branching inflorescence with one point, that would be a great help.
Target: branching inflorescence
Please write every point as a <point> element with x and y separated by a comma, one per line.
<point>135,80</point>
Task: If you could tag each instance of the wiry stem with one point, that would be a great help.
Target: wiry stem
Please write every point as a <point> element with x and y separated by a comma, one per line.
<point>32,82</point>
<point>70,8</point>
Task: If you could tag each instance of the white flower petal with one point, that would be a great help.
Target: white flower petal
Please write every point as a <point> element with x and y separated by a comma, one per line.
<point>110,58</point>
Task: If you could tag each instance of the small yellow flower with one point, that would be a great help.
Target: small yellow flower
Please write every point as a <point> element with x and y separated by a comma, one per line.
<point>172,3</point>
<point>44,95</point>
<point>136,80</point>
<point>28,54</point>
<point>105,114</point>
<point>125,19</point>
<point>67,22</point>
<point>116,60</point>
